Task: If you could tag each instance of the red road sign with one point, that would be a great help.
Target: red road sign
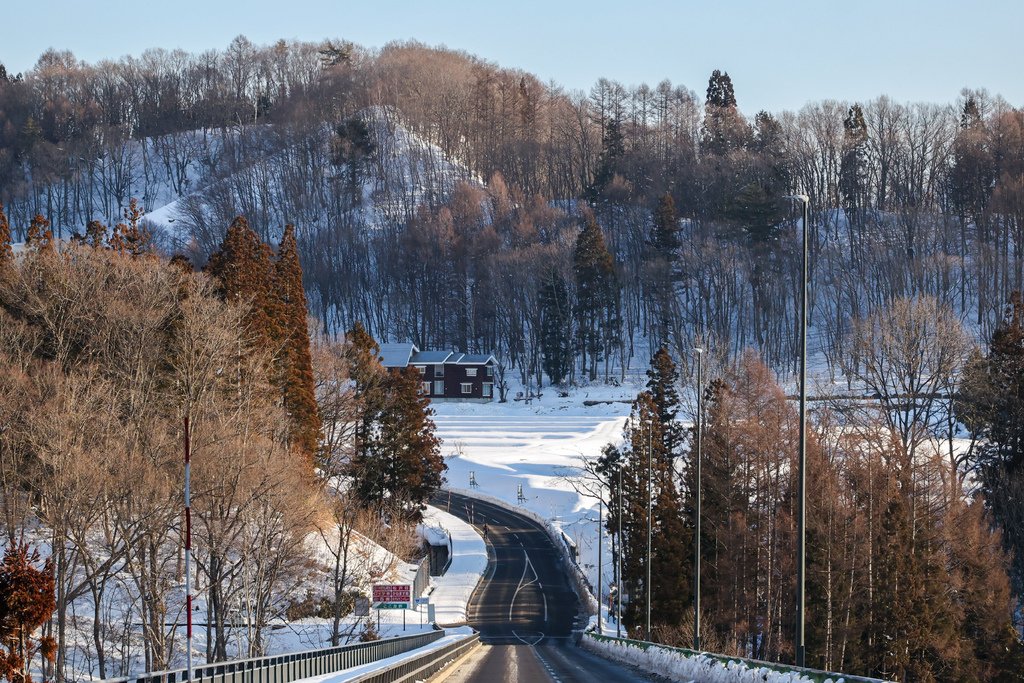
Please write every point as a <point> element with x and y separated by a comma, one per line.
<point>387,592</point>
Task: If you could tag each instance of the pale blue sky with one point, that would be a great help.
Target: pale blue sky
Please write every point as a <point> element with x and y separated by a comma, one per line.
<point>780,54</point>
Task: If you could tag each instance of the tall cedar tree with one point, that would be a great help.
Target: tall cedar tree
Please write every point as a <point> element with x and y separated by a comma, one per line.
<point>670,540</point>
<point>596,294</point>
<point>295,361</point>
<point>555,328</point>
<point>26,603</point>
<point>991,405</point>
<point>665,239</point>
<point>853,180</point>
<point>974,169</point>
<point>612,151</point>
<point>244,270</point>
<point>724,129</point>
<point>661,264</point>
<point>397,462</point>
<point>662,378</point>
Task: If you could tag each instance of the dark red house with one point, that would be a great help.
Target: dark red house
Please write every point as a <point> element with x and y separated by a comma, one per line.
<point>446,375</point>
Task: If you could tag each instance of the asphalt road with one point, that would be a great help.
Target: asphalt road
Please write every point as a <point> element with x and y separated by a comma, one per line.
<point>525,610</point>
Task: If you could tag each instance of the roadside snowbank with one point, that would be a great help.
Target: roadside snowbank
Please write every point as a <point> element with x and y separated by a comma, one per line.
<point>451,592</point>
<point>677,665</point>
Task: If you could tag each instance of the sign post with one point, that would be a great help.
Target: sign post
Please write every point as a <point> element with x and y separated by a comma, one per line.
<point>419,603</point>
<point>392,596</point>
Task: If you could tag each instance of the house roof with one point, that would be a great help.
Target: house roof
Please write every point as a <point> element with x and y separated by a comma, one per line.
<point>405,354</point>
<point>471,359</point>
<point>431,357</point>
<point>396,355</point>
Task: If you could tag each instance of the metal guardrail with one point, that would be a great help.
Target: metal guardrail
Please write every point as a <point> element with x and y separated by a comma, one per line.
<point>422,580</point>
<point>814,674</point>
<point>290,667</point>
<point>422,667</point>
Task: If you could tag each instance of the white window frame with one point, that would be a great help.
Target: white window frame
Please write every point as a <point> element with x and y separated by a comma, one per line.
<point>422,369</point>
<point>490,371</point>
<point>438,371</point>
<point>466,387</point>
<point>488,390</point>
<point>438,388</point>
<point>470,372</point>
<point>425,388</point>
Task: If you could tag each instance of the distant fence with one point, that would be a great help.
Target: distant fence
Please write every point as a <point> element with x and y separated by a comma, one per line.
<point>290,667</point>
<point>812,674</point>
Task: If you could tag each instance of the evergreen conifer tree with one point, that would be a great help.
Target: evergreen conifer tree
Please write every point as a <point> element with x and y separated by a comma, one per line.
<point>989,404</point>
<point>597,295</point>
<point>26,603</point>
<point>245,273</point>
<point>724,129</point>
<point>665,239</point>
<point>556,328</point>
<point>853,165</point>
<point>612,151</point>
<point>662,378</point>
<point>295,362</point>
<point>397,462</point>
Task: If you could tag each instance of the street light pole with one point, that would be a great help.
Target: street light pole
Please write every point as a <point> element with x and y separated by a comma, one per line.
<point>650,489</point>
<point>696,544</point>
<point>801,593</point>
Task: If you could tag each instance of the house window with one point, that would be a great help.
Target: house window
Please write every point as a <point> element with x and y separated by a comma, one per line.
<point>422,369</point>
<point>438,371</point>
<point>438,388</point>
<point>470,372</point>
<point>487,390</point>
<point>490,371</point>
<point>424,387</point>
<point>467,387</point>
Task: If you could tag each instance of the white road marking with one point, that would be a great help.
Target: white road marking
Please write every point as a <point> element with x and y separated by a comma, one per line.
<point>551,671</point>
<point>524,642</point>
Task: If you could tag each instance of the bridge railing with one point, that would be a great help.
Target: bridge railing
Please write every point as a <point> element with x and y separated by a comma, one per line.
<point>290,667</point>
<point>815,675</point>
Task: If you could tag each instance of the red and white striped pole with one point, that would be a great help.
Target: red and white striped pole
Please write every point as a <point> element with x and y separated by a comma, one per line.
<point>188,549</point>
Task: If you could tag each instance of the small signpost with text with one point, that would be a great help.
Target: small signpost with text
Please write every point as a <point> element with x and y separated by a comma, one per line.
<point>392,596</point>
<point>420,602</point>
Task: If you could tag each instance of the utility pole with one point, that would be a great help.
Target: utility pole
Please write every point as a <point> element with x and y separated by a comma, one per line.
<point>650,489</point>
<point>188,549</point>
<point>618,567</point>
<point>600,563</point>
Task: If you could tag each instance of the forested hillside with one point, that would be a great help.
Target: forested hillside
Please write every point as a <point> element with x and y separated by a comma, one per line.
<point>438,197</point>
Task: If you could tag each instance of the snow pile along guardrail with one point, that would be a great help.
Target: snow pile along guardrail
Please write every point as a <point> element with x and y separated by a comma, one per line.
<point>682,664</point>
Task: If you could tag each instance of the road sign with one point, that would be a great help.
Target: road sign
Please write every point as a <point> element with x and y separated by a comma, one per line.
<point>422,601</point>
<point>395,596</point>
